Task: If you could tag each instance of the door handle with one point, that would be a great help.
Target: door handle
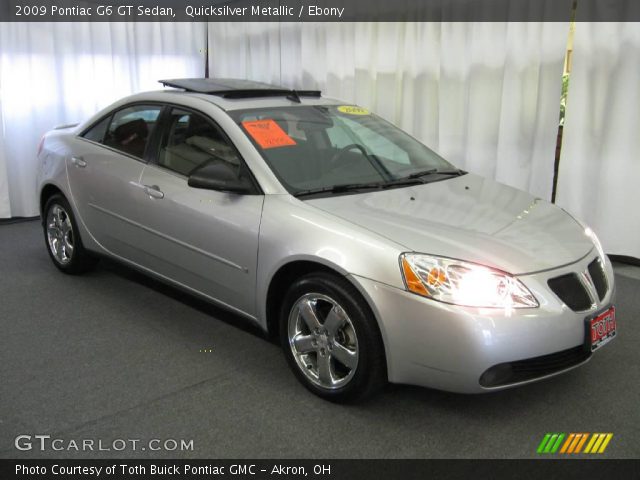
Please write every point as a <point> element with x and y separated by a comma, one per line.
<point>78,162</point>
<point>153,191</point>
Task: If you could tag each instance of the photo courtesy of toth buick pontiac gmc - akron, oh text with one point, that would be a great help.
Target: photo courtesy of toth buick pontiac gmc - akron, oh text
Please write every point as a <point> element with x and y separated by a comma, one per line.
<point>367,254</point>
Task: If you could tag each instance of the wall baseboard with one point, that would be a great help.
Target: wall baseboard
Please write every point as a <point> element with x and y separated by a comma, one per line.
<point>625,259</point>
<point>8,221</point>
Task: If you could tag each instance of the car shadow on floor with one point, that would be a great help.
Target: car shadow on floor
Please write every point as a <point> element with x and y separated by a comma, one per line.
<point>191,300</point>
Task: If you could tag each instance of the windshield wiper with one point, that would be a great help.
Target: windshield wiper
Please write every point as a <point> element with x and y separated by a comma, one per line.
<point>399,182</point>
<point>340,188</point>
<point>413,179</point>
<point>434,171</point>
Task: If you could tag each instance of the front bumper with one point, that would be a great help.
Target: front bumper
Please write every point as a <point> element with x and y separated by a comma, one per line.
<point>448,347</point>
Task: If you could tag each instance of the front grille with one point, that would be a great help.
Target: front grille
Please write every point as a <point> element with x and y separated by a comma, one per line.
<point>596,270</point>
<point>531,368</point>
<point>571,291</point>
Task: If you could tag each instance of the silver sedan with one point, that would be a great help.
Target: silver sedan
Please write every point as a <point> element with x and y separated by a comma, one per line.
<point>371,257</point>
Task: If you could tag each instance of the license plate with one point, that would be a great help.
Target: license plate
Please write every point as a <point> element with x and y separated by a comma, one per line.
<point>602,328</point>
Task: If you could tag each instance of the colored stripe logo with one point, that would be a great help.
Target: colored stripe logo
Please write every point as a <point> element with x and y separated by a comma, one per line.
<point>573,443</point>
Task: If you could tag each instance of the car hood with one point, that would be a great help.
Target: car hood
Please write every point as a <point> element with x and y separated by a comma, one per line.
<point>469,218</point>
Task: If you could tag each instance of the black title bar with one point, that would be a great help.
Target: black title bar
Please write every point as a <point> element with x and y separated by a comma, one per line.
<point>132,469</point>
<point>317,10</point>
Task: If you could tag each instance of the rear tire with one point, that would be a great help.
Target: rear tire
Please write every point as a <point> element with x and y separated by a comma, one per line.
<point>62,238</point>
<point>331,339</point>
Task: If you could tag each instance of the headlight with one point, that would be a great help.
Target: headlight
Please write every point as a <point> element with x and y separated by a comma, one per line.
<point>463,283</point>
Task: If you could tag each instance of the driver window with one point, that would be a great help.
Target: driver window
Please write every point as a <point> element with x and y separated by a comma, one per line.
<point>191,141</point>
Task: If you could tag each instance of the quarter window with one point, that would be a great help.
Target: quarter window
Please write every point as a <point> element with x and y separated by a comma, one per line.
<point>97,132</point>
<point>191,140</point>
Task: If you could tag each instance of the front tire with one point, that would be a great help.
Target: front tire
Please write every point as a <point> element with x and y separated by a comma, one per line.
<point>331,339</point>
<point>63,239</point>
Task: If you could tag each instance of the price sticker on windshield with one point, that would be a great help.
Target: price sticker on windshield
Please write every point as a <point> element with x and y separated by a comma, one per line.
<point>353,110</point>
<point>268,134</point>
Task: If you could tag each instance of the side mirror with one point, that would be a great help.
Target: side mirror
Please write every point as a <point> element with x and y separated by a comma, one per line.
<point>219,176</point>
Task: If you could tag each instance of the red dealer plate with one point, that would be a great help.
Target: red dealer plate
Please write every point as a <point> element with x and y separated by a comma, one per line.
<point>602,328</point>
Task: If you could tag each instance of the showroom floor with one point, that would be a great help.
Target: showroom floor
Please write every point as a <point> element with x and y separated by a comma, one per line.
<point>113,355</point>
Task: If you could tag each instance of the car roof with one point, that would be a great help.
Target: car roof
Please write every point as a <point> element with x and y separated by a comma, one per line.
<point>234,94</point>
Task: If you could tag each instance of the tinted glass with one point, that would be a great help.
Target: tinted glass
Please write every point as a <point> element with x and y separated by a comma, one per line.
<point>97,132</point>
<point>131,128</point>
<point>311,147</point>
<point>191,140</point>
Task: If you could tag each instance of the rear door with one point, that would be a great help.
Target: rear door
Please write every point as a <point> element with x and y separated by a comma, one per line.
<point>207,240</point>
<point>104,175</point>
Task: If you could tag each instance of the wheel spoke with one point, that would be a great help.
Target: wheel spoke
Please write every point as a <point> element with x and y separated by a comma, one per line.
<point>65,228</point>
<point>58,217</point>
<point>304,343</point>
<point>335,320</point>
<point>324,370</point>
<point>68,246</point>
<point>308,312</point>
<point>58,249</point>
<point>345,356</point>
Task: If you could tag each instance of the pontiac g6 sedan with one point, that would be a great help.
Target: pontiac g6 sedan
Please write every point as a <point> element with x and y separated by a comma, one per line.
<point>370,257</point>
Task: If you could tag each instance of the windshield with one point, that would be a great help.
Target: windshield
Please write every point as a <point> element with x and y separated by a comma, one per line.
<point>328,148</point>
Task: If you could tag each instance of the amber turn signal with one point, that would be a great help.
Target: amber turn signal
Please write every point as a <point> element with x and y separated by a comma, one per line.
<point>414,284</point>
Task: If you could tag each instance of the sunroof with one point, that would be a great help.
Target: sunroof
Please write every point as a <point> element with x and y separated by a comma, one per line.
<point>236,88</point>
<point>214,85</point>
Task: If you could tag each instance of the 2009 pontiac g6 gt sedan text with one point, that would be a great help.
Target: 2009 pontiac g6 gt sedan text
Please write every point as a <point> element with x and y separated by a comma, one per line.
<point>371,257</point>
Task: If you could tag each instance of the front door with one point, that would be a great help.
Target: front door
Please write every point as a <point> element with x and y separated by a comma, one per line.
<point>206,240</point>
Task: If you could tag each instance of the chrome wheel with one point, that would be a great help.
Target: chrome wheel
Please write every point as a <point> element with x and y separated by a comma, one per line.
<point>323,340</point>
<point>60,234</point>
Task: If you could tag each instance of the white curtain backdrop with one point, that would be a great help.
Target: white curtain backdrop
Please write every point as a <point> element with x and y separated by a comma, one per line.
<point>5,208</point>
<point>599,174</point>
<point>484,95</point>
<point>245,50</point>
<point>57,73</point>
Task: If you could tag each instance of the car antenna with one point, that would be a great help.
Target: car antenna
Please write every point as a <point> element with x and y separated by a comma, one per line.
<point>294,96</point>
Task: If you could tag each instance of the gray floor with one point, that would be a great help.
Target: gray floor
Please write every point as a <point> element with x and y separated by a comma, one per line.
<point>112,355</point>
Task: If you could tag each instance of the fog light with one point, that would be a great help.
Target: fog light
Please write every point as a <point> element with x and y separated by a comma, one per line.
<point>496,375</point>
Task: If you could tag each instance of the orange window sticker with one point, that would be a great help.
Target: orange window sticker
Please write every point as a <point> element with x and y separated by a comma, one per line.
<point>268,134</point>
